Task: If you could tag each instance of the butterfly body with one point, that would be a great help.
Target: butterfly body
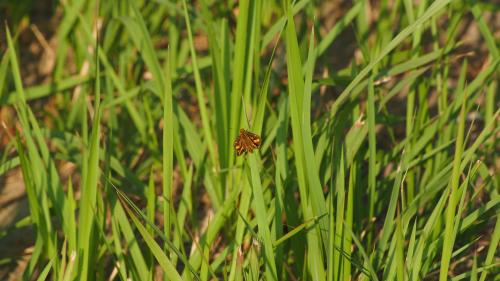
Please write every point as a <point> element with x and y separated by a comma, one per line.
<point>246,142</point>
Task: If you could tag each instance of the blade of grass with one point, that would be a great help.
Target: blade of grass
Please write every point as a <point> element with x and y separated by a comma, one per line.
<point>199,93</point>
<point>88,200</point>
<point>157,251</point>
<point>296,88</point>
<point>449,237</point>
<point>45,272</point>
<point>168,154</point>
<point>261,214</point>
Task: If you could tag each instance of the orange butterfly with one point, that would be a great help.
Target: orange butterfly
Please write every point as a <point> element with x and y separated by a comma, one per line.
<point>246,141</point>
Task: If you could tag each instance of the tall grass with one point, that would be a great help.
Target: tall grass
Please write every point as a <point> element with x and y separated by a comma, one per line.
<point>383,166</point>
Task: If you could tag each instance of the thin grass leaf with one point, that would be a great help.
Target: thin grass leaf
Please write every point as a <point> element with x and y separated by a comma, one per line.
<point>160,256</point>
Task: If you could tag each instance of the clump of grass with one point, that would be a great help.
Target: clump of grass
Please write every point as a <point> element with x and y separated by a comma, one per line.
<point>380,170</point>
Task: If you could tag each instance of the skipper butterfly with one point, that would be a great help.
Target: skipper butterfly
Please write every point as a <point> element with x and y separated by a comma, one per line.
<point>246,142</point>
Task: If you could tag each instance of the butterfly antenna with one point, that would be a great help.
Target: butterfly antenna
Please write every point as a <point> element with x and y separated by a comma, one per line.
<point>245,111</point>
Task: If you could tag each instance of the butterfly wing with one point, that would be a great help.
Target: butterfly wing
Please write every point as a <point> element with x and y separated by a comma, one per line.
<point>249,146</point>
<point>246,141</point>
<point>254,138</point>
<point>238,146</point>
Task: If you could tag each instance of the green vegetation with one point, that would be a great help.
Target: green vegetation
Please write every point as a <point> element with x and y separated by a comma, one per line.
<point>379,155</point>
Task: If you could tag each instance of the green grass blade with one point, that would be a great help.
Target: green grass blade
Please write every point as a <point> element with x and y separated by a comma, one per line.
<point>157,251</point>
<point>260,209</point>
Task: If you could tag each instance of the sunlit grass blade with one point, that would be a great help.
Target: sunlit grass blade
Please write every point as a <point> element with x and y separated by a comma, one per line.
<point>314,203</point>
<point>260,209</point>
